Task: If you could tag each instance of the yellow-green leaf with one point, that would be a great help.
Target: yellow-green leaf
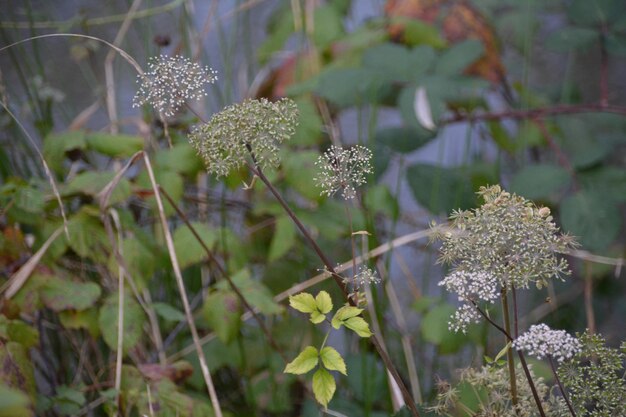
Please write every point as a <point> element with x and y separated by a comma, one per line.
<point>359,326</point>
<point>343,314</point>
<point>114,145</point>
<point>323,302</point>
<point>323,386</point>
<point>317,317</point>
<point>303,302</point>
<point>304,362</point>
<point>332,360</point>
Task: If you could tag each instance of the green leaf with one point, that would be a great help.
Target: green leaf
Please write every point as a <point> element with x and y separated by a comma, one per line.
<point>457,58</point>
<point>57,144</point>
<point>188,250</point>
<point>69,401</point>
<point>22,333</point>
<point>328,25</point>
<point>17,370</point>
<point>323,302</point>
<point>181,158</point>
<point>134,320</point>
<point>595,12</point>
<point>404,139</point>
<point>379,199</point>
<point>170,181</point>
<point>572,38</point>
<point>284,238</point>
<point>300,169</point>
<point>140,261</point>
<point>540,181</point>
<point>366,379</point>
<point>14,403</point>
<point>117,146</point>
<point>317,317</point>
<point>309,129</point>
<point>440,189</point>
<point>417,32</point>
<point>434,329</point>
<point>359,326</point>
<point>343,314</point>
<point>304,362</point>
<point>30,200</point>
<point>63,294</point>
<point>303,302</point>
<point>332,360</point>
<point>257,294</point>
<point>397,63</point>
<point>280,29</point>
<point>323,386</point>
<point>91,183</point>
<point>222,311</point>
<point>502,352</point>
<point>593,217</point>
<point>347,87</point>
<point>168,313</point>
<point>83,319</point>
<point>87,236</point>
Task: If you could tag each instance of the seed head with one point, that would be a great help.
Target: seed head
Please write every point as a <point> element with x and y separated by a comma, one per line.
<point>170,82</point>
<point>252,128</point>
<point>343,169</point>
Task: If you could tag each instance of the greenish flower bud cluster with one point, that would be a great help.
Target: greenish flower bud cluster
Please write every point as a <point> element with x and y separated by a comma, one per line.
<point>596,378</point>
<point>249,131</point>
<point>509,238</point>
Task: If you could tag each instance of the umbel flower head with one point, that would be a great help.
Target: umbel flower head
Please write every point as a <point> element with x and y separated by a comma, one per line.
<point>508,242</point>
<point>170,82</point>
<point>252,128</point>
<point>343,169</point>
<point>541,341</point>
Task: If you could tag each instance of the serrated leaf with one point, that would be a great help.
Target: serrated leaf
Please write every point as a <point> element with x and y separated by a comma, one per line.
<point>87,236</point>
<point>304,362</point>
<point>332,360</point>
<point>91,183</point>
<point>117,146</point>
<point>222,311</point>
<point>359,326</point>
<point>343,314</point>
<point>317,317</point>
<point>323,386</point>
<point>134,320</point>
<point>63,294</point>
<point>303,302</point>
<point>323,302</point>
<point>283,239</point>
<point>57,144</point>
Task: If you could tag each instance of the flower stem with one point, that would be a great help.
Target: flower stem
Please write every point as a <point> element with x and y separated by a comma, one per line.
<point>558,381</point>
<point>509,354</point>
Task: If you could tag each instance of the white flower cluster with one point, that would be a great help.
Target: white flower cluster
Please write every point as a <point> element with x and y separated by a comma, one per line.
<point>254,128</point>
<point>469,286</point>
<point>170,82</point>
<point>366,276</point>
<point>540,341</point>
<point>343,169</point>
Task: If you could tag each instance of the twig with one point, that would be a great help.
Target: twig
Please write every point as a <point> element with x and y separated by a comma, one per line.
<point>535,113</point>
<point>509,353</point>
<point>591,319</point>
<point>558,381</point>
<point>183,295</point>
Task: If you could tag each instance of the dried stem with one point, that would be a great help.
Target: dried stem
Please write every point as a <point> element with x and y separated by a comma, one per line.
<point>183,294</point>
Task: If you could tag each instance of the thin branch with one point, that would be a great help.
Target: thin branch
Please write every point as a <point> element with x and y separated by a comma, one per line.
<point>558,381</point>
<point>535,113</point>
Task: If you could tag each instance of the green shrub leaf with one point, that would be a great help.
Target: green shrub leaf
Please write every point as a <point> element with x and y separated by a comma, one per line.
<point>304,362</point>
<point>323,386</point>
<point>332,360</point>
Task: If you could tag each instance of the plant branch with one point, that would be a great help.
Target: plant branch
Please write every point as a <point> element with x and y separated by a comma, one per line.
<point>529,377</point>
<point>558,381</point>
<point>540,112</point>
<point>256,170</point>
<point>509,353</point>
